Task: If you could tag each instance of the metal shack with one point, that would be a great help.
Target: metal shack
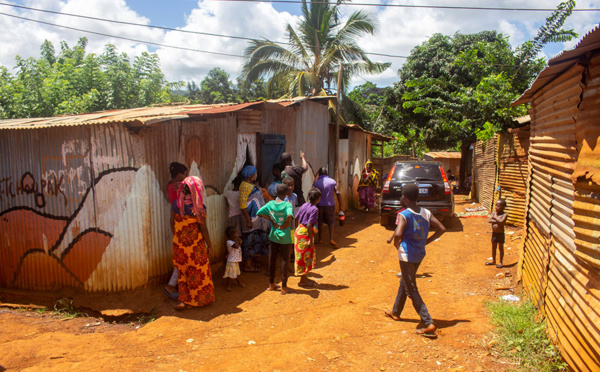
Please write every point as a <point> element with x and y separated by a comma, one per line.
<point>560,265</point>
<point>83,198</point>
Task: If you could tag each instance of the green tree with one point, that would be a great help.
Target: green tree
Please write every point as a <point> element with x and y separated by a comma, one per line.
<point>453,90</point>
<point>216,87</point>
<point>73,81</point>
<point>309,64</point>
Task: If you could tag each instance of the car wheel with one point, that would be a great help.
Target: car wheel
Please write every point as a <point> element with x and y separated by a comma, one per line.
<point>383,220</point>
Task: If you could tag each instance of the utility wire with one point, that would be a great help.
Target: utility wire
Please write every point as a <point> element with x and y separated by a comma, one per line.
<point>166,28</point>
<point>124,38</point>
<point>447,7</point>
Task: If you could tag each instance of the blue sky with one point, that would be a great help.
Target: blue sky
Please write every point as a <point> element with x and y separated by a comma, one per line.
<point>400,29</point>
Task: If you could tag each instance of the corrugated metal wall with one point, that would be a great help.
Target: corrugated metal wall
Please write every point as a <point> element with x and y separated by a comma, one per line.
<point>563,216</point>
<point>484,171</point>
<point>86,206</point>
<point>512,173</point>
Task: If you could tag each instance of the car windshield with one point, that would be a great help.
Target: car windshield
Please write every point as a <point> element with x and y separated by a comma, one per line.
<point>417,172</point>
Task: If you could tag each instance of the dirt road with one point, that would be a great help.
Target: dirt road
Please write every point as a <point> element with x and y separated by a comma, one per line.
<point>340,325</point>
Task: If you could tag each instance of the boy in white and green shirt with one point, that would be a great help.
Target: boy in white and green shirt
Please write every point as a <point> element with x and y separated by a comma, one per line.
<point>280,214</point>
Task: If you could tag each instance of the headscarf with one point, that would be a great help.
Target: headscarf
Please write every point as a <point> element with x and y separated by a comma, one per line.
<point>249,170</point>
<point>194,197</point>
<point>369,178</point>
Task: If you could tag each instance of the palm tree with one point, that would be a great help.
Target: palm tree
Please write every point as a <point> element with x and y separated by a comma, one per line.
<point>309,63</point>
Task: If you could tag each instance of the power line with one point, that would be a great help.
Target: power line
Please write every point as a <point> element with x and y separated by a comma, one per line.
<point>162,28</point>
<point>124,38</point>
<point>446,7</point>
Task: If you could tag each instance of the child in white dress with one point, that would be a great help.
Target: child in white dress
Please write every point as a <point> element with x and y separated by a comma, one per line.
<point>234,257</point>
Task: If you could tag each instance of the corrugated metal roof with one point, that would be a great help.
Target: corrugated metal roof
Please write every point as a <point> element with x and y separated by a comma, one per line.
<point>444,155</point>
<point>145,115</point>
<point>561,63</point>
<point>375,136</point>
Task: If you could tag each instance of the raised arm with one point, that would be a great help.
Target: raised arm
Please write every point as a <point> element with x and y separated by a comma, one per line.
<point>304,163</point>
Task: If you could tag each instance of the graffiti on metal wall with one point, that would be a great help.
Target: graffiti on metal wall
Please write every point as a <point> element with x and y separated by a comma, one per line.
<point>63,250</point>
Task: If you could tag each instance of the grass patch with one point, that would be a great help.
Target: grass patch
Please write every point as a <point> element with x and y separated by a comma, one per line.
<point>520,337</point>
<point>66,308</point>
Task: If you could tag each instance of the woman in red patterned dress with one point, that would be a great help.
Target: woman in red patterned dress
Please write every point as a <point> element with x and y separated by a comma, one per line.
<point>191,246</point>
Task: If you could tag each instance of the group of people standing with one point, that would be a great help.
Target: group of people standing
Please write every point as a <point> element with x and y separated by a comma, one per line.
<point>273,221</point>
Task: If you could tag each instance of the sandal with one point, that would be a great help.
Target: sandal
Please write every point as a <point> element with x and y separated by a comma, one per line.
<point>276,288</point>
<point>499,266</point>
<point>172,295</point>
<point>308,284</point>
<point>489,263</point>
<point>428,331</point>
<point>289,290</point>
<point>182,306</point>
<point>391,315</point>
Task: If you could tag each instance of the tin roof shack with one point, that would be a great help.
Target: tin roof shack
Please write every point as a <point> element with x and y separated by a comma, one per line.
<point>83,201</point>
<point>449,160</point>
<point>355,150</point>
<point>560,265</point>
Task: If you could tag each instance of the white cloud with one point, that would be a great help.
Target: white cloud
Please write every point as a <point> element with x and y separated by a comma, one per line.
<point>400,30</point>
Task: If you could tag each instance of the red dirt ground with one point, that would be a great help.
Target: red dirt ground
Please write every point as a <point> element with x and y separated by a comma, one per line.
<point>339,325</point>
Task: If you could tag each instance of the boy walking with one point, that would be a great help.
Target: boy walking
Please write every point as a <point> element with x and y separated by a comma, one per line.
<point>280,214</point>
<point>410,238</point>
<point>498,219</point>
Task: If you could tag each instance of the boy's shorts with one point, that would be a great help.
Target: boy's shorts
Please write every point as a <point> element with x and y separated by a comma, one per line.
<point>498,237</point>
<point>327,214</point>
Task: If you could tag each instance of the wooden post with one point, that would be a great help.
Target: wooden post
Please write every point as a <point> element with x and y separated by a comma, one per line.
<point>337,127</point>
<point>382,171</point>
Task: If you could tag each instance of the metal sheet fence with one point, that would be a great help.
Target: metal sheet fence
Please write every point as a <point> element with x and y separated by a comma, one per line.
<point>512,173</point>
<point>484,171</point>
<point>561,242</point>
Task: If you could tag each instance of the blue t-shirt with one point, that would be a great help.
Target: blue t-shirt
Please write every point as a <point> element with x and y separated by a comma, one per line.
<point>414,236</point>
<point>327,186</point>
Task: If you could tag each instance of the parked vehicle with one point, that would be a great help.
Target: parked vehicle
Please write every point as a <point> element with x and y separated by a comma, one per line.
<point>435,191</point>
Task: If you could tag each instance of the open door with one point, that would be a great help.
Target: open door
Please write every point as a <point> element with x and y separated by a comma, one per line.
<point>272,146</point>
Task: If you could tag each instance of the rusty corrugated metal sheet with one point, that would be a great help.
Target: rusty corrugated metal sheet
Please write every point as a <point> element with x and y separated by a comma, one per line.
<point>512,173</point>
<point>484,171</point>
<point>561,243</point>
<point>444,155</point>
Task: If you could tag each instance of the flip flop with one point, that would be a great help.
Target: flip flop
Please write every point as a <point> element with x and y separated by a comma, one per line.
<point>173,295</point>
<point>276,288</point>
<point>489,263</point>
<point>431,334</point>
<point>310,284</point>
<point>180,307</point>
<point>499,266</point>
<point>391,315</point>
<point>290,290</point>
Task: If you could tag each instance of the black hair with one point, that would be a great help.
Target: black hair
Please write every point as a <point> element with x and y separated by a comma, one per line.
<point>321,171</point>
<point>175,168</point>
<point>286,159</point>
<point>237,181</point>
<point>186,189</point>
<point>282,190</point>
<point>278,166</point>
<point>230,230</point>
<point>502,200</point>
<point>410,191</point>
<point>313,195</point>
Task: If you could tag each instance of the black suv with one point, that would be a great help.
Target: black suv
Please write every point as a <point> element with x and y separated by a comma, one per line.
<point>435,191</point>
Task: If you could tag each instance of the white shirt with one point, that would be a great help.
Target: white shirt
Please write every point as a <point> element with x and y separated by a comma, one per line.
<point>233,201</point>
<point>235,254</point>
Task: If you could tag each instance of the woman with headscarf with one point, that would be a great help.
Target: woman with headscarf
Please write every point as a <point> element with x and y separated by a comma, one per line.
<point>255,230</point>
<point>191,245</point>
<point>369,182</point>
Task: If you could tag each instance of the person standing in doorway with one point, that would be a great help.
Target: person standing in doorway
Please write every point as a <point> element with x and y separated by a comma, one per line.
<point>296,172</point>
<point>326,205</point>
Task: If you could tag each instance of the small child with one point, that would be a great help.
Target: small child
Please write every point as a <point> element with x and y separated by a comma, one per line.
<point>234,257</point>
<point>291,195</point>
<point>304,246</point>
<point>276,170</point>
<point>280,214</point>
<point>498,219</point>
